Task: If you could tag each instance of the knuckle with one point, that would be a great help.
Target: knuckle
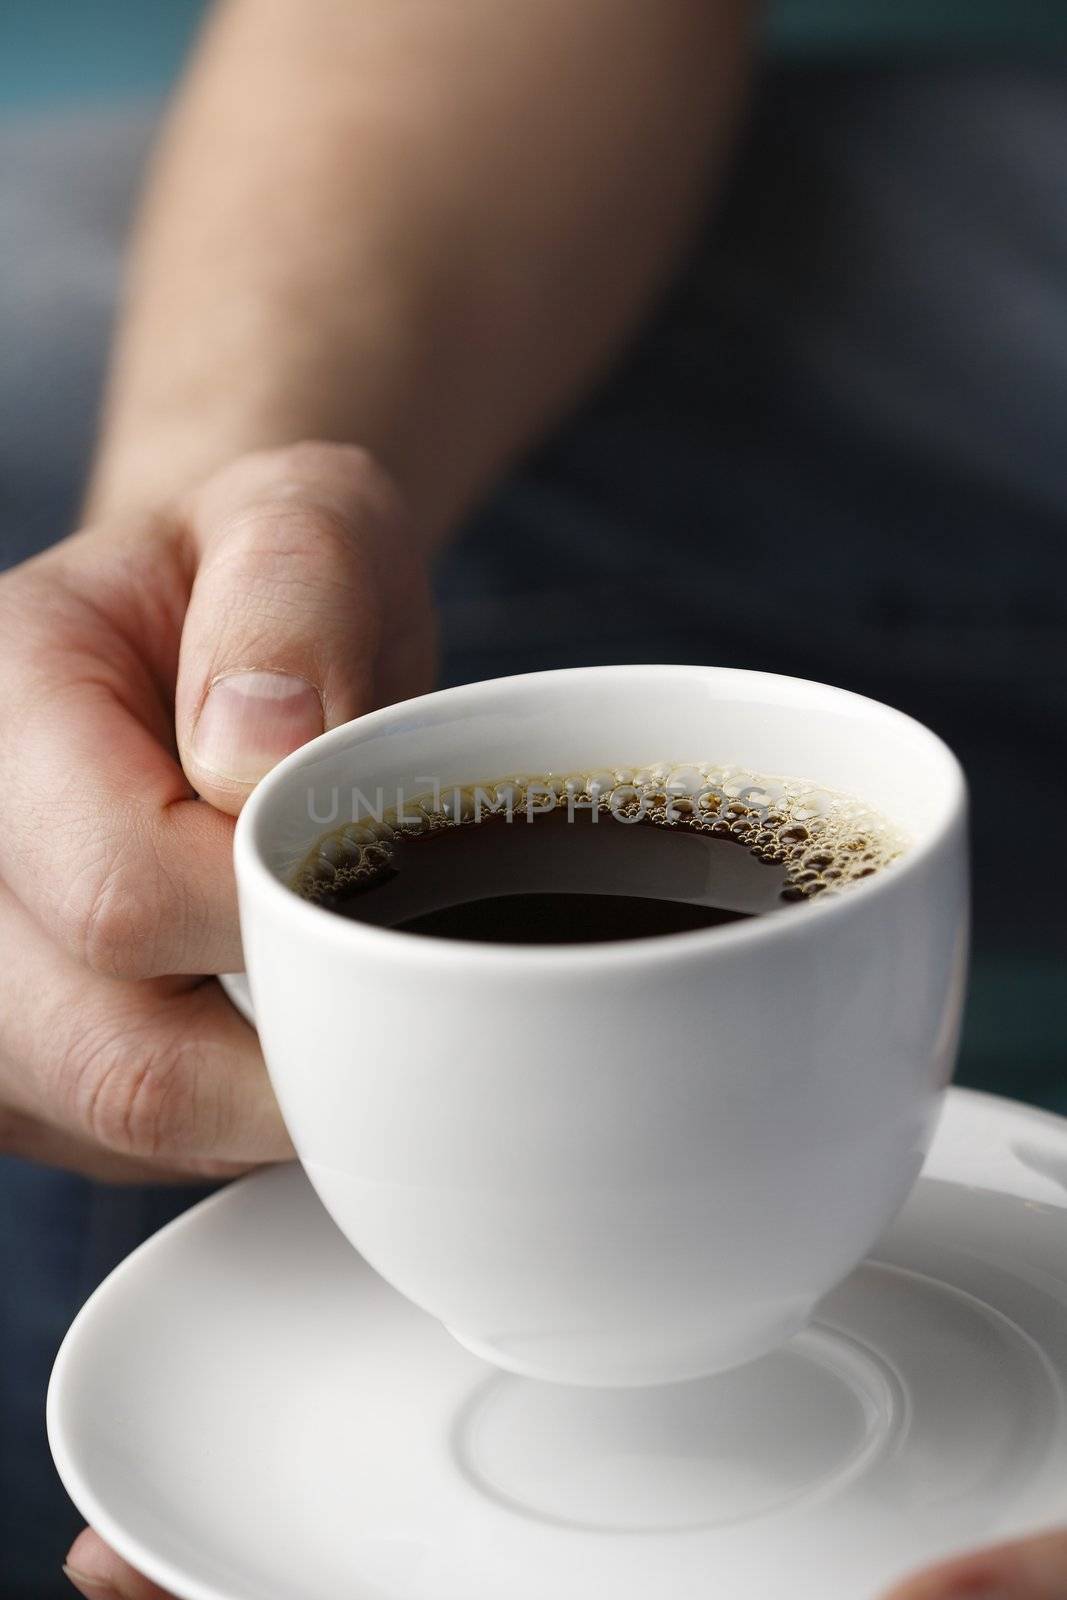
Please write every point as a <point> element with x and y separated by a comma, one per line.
<point>133,1089</point>
<point>279,529</point>
<point>113,915</point>
<point>304,469</point>
<point>310,458</point>
<point>281,561</point>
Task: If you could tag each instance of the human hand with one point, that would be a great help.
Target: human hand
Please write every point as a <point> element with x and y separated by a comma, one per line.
<point>1031,1569</point>
<point>1035,1569</point>
<point>285,595</point>
<point>142,665</point>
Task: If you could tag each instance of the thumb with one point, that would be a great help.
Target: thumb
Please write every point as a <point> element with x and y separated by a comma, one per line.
<point>309,606</point>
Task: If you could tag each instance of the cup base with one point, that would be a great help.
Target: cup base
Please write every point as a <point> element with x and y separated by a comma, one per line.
<point>797,1423</point>
<point>642,1361</point>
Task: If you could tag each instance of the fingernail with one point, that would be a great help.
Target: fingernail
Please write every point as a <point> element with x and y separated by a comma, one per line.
<point>250,720</point>
<point>92,1588</point>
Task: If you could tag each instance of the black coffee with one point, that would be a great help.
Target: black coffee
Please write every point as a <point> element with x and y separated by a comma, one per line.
<point>596,856</point>
<point>552,879</point>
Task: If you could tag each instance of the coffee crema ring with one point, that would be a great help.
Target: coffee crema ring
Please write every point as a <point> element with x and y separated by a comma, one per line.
<point>823,841</point>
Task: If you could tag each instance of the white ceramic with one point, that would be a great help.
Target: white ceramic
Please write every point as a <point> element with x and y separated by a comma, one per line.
<point>247,1412</point>
<point>626,1163</point>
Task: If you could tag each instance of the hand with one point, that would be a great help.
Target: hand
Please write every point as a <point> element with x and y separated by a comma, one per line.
<point>140,664</point>
<point>99,1574</point>
<point>1033,1569</point>
<point>284,596</point>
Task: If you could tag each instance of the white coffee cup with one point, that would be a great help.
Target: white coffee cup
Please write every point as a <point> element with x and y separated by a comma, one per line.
<point>632,1162</point>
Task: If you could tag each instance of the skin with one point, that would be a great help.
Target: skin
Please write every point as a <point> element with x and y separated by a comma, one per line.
<point>1032,1569</point>
<point>117,1055</point>
<point>414,234</point>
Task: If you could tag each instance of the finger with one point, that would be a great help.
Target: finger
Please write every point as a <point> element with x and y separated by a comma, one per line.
<point>33,1140</point>
<point>1032,1569</point>
<point>172,1078</point>
<point>101,836</point>
<point>165,1071</point>
<point>100,1574</point>
<point>304,562</point>
<point>133,874</point>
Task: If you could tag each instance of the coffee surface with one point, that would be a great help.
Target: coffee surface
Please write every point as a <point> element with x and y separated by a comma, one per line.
<point>554,879</point>
<point>595,857</point>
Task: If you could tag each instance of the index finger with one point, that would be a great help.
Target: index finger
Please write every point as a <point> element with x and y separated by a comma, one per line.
<point>108,848</point>
<point>101,837</point>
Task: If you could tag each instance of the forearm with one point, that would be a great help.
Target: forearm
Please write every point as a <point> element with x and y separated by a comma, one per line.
<point>423,226</point>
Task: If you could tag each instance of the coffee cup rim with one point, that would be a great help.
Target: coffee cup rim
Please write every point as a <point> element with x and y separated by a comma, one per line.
<point>429,951</point>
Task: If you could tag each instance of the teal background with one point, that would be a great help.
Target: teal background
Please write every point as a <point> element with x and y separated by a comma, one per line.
<point>1013,1031</point>
<point>953,26</point>
<point>83,51</point>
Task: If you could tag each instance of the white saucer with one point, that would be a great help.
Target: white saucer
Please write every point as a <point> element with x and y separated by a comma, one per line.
<point>246,1412</point>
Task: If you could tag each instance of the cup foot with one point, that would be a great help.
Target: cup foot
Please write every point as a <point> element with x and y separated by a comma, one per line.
<point>640,1358</point>
<point>795,1424</point>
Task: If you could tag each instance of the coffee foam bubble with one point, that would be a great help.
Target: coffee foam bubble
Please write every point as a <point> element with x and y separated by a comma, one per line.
<point>823,841</point>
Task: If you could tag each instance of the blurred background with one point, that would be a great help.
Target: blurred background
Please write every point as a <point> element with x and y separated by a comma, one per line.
<point>838,450</point>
